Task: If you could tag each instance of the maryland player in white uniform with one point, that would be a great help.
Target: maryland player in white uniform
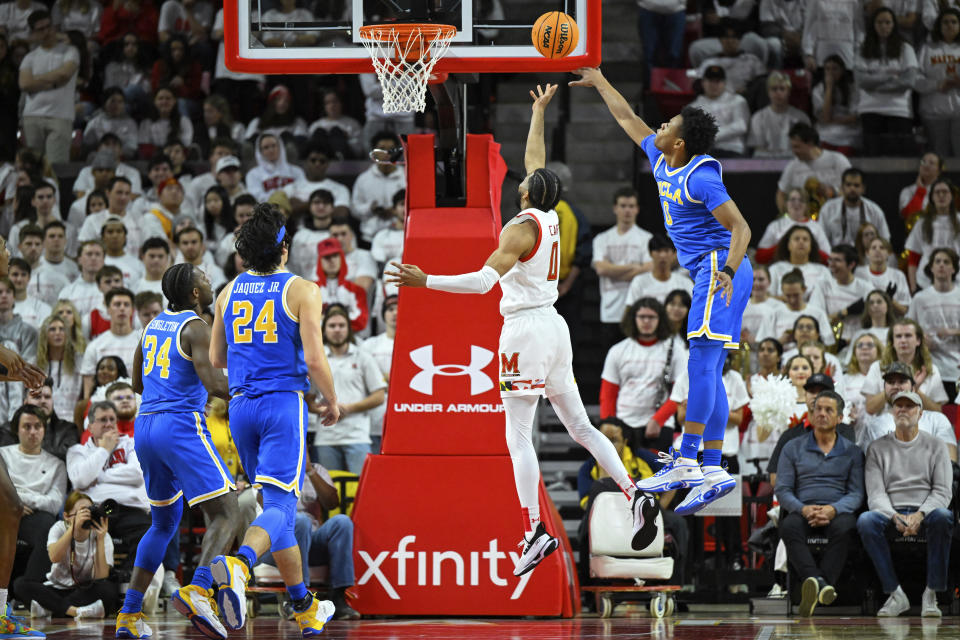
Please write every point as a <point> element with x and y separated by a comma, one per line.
<point>535,354</point>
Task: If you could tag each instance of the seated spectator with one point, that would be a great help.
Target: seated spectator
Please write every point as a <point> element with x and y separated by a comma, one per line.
<point>798,249</point>
<point>97,322</point>
<point>218,129</point>
<point>842,217</point>
<point>677,305</point>
<point>171,205</point>
<point>177,152</point>
<point>387,243</point>
<point>375,186</point>
<point>59,434</point>
<point>193,249</point>
<point>769,126</point>
<point>820,488</point>
<point>30,246</point>
<point>762,307</point>
<point>106,466</point>
<point>939,86</point>
<point>128,70</point>
<point>112,118</point>
<point>878,273</point>
<point>639,372</point>
<point>360,264</point>
<point>215,147</point>
<point>155,256</point>
<point>32,310</point>
<point>230,177</point>
<point>138,17</point>
<point>139,227</point>
<point>337,287</point>
<point>242,211</point>
<point>915,198</point>
<point>906,344</point>
<point>78,584</point>
<point>880,315</point>
<point>315,177</point>
<point>938,226</point>
<point>164,122</point>
<point>899,377</point>
<point>148,305</point>
<point>216,214</point>
<point>360,387</point>
<point>336,131</point>
<point>741,66</point>
<point>769,351</point>
<point>121,340</point>
<point>661,279</point>
<point>316,227</point>
<point>159,170</point>
<point>842,295</point>
<point>810,161</point>
<point>886,70</point>
<point>797,214</point>
<point>40,479</point>
<point>820,359</point>
<point>59,354</point>
<point>177,69</point>
<point>103,168</point>
<point>114,237</point>
<point>759,441</point>
<point>278,118</point>
<point>109,370</point>
<point>17,335</point>
<point>909,487</point>
<point>729,110</point>
<point>325,541</point>
<point>831,27</point>
<point>937,310</point>
<point>864,351</point>
<point>784,325</point>
<point>44,210</point>
<point>82,15</point>
<point>380,348</point>
<point>273,171</point>
<point>54,265</point>
<point>834,101</point>
<point>87,178</point>
<point>191,21</point>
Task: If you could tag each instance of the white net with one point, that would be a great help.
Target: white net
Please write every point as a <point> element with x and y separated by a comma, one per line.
<point>403,57</point>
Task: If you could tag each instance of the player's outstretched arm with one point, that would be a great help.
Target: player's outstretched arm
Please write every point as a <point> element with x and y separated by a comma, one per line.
<point>307,304</point>
<point>516,241</point>
<point>621,110</point>
<point>195,339</point>
<point>536,154</point>
<point>728,214</point>
<point>13,368</point>
<point>218,334</point>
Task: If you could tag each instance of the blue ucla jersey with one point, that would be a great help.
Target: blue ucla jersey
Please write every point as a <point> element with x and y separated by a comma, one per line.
<point>688,195</point>
<point>170,383</point>
<point>264,350</point>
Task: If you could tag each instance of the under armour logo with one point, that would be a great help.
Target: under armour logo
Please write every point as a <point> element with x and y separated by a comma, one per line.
<point>423,381</point>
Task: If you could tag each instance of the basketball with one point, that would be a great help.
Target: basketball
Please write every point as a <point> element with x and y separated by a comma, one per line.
<point>555,34</point>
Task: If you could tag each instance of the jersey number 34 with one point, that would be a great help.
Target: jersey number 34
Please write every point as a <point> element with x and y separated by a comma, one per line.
<point>160,359</point>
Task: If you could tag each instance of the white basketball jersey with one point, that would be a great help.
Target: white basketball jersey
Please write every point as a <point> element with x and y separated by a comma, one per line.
<point>532,282</point>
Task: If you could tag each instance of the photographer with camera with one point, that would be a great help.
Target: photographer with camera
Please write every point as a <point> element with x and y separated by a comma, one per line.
<point>106,466</point>
<point>40,480</point>
<point>81,552</point>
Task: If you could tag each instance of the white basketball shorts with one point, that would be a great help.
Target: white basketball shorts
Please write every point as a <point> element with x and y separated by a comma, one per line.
<point>535,354</point>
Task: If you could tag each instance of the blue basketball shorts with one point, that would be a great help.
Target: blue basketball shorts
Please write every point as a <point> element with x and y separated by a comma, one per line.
<point>178,458</point>
<point>270,433</point>
<point>710,317</point>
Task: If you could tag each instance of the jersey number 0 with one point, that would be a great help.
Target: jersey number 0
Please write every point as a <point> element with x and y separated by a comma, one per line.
<point>265,323</point>
<point>554,269</point>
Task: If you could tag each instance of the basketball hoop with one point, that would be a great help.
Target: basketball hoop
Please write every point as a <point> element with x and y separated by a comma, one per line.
<point>403,57</point>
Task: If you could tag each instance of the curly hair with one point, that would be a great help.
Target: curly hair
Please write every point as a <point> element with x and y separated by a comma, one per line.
<point>177,283</point>
<point>629,324</point>
<point>257,238</point>
<point>698,130</point>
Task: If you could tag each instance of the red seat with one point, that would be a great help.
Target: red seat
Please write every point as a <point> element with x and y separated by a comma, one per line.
<point>672,89</point>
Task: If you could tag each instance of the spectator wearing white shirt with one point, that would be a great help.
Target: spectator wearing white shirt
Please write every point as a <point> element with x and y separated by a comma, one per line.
<point>193,249</point>
<point>798,249</point>
<point>729,110</point>
<point>85,179</point>
<point>317,163</point>
<point>217,147</point>
<point>338,132</point>
<point>380,348</point>
<point>782,325</point>
<point>831,27</point>
<point>661,279</point>
<point>937,310</point>
<point>78,15</point>
<point>740,66</point>
<point>13,18</point>
<point>880,275</point>
<point>112,118</point>
<point>272,171</point>
<point>620,254</point>
<point>761,308</point>
<point>939,85</point>
<point>103,169</point>
<point>121,340</point>
<point>287,11</point>
<point>938,226</point>
<point>113,234</point>
<point>387,244</point>
<point>915,197</point>
<point>835,107</point>
<point>48,77</point>
<point>930,9</point>
<point>230,178</point>
<point>376,121</point>
<point>83,292</point>
<point>54,270</point>
<point>139,227</point>
<point>809,335</point>
<point>864,351</point>
<point>781,25</point>
<point>842,295</point>
<point>906,344</point>
<point>163,122</point>
<point>769,126</point>
<point>160,218</point>
<point>842,217</point>
<point>191,19</point>
<point>886,70</point>
<point>316,227</point>
<point>375,186</point>
<point>32,310</point>
<point>243,91</point>
<point>155,256</point>
<point>797,214</point>
<point>31,244</point>
<point>810,160</point>
<point>45,210</point>
<point>879,315</point>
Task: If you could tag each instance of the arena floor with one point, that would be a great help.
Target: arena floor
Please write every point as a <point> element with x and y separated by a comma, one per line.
<point>686,627</point>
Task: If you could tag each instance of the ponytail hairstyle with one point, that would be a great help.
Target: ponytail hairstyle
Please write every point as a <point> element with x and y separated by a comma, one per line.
<point>543,189</point>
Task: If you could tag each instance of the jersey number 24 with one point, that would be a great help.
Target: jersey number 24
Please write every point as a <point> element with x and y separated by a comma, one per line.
<point>265,323</point>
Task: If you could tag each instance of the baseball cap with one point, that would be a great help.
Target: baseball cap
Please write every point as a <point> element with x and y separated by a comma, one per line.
<point>227,162</point>
<point>899,369</point>
<point>104,159</point>
<point>911,396</point>
<point>818,380</point>
<point>714,72</point>
<point>328,247</point>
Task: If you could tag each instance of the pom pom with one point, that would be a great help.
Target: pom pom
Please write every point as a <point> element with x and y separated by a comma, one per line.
<point>774,401</point>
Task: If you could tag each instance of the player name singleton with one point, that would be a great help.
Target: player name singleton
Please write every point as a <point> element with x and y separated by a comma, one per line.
<point>417,407</point>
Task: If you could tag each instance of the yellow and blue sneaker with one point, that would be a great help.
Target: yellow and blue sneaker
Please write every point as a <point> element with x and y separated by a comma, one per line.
<point>312,620</point>
<point>197,604</point>
<point>12,626</point>
<point>231,575</point>
<point>132,625</point>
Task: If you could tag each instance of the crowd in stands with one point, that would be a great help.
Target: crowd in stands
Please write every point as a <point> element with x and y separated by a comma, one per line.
<point>137,93</point>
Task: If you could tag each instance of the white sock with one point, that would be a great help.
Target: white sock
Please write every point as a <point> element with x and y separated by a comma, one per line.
<point>712,468</point>
<point>3,602</point>
<point>531,518</point>
<point>520,412</point>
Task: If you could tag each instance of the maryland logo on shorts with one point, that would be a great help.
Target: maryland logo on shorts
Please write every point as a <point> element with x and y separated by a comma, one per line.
<point>522,385</point>
<point>509,365</point>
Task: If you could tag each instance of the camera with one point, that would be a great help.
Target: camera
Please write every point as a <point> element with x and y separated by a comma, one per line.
<point>100,512</point>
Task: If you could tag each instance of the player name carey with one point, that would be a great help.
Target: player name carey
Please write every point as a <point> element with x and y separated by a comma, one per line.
<point>416,407</point>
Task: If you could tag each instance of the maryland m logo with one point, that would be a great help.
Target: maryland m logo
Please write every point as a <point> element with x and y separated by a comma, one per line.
<point>508,365</point>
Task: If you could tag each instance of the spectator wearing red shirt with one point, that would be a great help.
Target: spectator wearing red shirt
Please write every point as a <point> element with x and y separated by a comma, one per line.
<point>121,17</point>
<point>333,282</point>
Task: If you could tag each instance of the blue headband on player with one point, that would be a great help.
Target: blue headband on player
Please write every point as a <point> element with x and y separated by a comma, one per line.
<point>281,234</point>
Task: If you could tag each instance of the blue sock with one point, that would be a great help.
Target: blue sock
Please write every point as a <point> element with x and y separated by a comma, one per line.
<point>248,555</point>
<point>711,457</point>
<point>133,601</point>
<point>690,445</point>
<point>203,578</point>
<point>297,592</point>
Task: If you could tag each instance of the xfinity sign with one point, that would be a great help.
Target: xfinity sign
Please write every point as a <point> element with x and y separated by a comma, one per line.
<point>440,568</point>
<point>423,381</point>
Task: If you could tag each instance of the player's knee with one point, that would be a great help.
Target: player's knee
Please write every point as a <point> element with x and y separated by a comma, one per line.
<point>166,519</point>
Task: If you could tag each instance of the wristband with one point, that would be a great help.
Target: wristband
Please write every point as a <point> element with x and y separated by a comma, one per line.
<point>727,269</point>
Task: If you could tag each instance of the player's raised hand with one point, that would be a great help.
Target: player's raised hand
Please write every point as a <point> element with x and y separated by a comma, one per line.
<point>724,286</point>
<point>19,369</point>
<point>542,97</point>
<point>405,275</point>
<point>589,77</point>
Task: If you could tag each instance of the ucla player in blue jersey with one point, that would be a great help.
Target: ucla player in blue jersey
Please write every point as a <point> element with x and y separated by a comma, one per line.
<point>172,370</point>
<point>266,332</point>
<point>711,237</point>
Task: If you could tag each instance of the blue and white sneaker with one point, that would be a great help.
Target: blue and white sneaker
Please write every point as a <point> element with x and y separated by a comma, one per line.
<point>716,484</point>
<point>677,473</point>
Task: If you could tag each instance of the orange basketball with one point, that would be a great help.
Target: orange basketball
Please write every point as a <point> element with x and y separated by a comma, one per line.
<point>555,34</point>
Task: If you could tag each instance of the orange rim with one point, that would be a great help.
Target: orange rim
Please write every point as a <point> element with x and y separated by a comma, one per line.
<point>425,32</point>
